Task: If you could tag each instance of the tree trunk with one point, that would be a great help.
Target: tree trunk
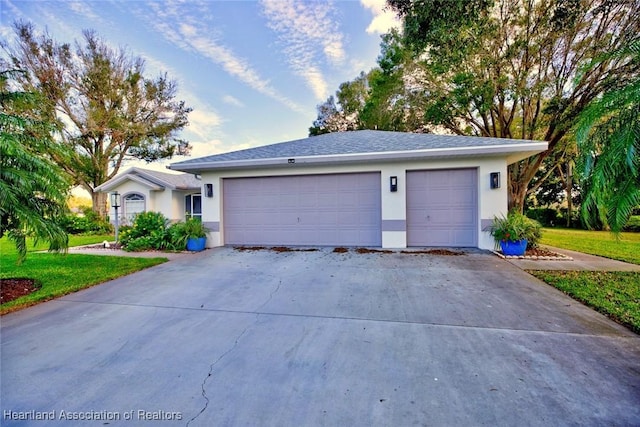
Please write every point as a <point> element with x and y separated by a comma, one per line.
<point>517,187</point>
<point>517,194</point>
<point>99,203</point>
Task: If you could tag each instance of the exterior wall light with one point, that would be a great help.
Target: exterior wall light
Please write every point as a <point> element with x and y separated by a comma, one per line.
<point>393,184</point>
<point>208,190</point>
<point>495,179</point>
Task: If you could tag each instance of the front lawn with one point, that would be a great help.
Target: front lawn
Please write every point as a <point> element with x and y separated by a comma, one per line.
<point>601,243</point>
<point>60,274</point>
<point>615,294</point>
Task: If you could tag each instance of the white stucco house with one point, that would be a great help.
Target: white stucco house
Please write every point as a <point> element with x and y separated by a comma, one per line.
<point>363,188</point>
<point>176,196</point>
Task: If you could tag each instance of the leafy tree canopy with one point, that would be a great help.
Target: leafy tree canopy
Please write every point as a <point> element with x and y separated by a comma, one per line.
<point>110,110</point>
<point>33,188</point>
<point>505,68</point>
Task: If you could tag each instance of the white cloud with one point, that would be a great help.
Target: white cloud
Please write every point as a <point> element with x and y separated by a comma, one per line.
<point>384,19</point>
<point>309,32</point>
<point>191,33</point>
<point>203,122</point>
<point>228,99</point>
<point>83,9</point>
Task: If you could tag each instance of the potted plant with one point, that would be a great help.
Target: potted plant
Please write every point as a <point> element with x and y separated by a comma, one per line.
<point>514,232</point>
<point>195,233</point>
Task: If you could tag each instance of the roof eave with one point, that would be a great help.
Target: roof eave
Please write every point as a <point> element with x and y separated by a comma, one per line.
<point>116,182</point>
<point>512,152</point>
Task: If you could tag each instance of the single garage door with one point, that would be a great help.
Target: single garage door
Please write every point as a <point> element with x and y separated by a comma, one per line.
<point>442,208</point>
<point>337,209</point>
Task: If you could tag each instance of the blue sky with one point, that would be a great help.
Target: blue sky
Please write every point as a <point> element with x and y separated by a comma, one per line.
<point>253,71</point>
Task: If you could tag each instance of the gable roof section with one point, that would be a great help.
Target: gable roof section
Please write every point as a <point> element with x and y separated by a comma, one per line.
<point>363,146</point>
<point>153,180</point>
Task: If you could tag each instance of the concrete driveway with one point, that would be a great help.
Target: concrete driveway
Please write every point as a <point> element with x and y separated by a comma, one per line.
<point>230,338</point>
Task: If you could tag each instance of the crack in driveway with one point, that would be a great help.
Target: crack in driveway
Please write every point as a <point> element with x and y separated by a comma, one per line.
<point>210,374</point>
<point>222,356</point>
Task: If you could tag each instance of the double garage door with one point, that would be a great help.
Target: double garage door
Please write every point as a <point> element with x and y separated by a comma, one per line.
<point>345,209</point>
<point>337,209</point>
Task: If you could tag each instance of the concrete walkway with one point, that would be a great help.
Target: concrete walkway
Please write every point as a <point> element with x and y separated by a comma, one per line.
<point>90,250</point>
<point>230,338</point>
<point>580,261</point>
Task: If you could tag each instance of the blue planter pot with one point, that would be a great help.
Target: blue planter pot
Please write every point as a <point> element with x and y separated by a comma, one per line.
<point>513,247</point>
<point>196,244</point>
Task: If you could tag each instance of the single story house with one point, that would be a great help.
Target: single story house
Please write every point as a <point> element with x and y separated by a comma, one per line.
<point>362,188</point>
<point>176,196</point>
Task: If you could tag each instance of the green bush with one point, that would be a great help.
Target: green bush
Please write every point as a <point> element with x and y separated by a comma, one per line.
<point>633,224</point>
<point>152,231</point>
<point>148,232</point>
<point>548,217</point>
<point>88,223</point>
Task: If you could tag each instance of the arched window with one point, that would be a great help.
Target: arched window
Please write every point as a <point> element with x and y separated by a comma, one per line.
<point>133,204</point>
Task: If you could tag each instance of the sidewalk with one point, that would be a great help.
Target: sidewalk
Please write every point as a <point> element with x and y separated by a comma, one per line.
<point>119,252</point>
<point>580,261</point>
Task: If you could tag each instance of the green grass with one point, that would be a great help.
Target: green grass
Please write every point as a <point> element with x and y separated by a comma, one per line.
<point>615,294</point>
<point>61,274</point>
<point>7,247</point>
<point>601,243</point>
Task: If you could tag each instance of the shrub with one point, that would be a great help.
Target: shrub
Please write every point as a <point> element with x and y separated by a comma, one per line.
<point>633,224</point>
<point>548,217</point>
<point>149,231</point>
<point>88,223</point>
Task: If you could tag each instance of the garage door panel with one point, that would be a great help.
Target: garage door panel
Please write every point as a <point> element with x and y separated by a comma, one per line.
<point>341,209</point>
<point>442,208</point>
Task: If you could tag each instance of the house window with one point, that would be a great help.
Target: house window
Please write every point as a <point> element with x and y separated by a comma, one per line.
<point>133,205</point>
<point>193,206</point>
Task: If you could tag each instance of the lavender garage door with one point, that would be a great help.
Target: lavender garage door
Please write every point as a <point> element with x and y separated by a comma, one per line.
<point>442,208</point>
<point>339,209</point>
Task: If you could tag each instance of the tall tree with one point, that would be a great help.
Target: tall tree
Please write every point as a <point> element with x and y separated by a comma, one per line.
<point>342,114</point>
<point>33,188</point>
<point>512,68</point>
<point>111,111</point>
<point>396,95</point>
<point>384,99</point>
<point>609,140</point>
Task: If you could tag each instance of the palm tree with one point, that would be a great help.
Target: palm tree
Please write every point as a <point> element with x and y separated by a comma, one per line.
<point>608,136</point>
<point>33,189</point>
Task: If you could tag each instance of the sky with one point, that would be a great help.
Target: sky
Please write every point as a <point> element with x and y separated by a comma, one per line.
<point>253,71</point>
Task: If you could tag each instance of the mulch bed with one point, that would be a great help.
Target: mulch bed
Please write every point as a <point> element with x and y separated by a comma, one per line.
<point>11,289</point>
<point>538,254</point>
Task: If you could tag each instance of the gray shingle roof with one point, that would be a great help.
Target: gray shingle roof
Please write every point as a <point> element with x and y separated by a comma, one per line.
<point>153,179</point>
<point>357,143</point>
<point>181,181</point>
